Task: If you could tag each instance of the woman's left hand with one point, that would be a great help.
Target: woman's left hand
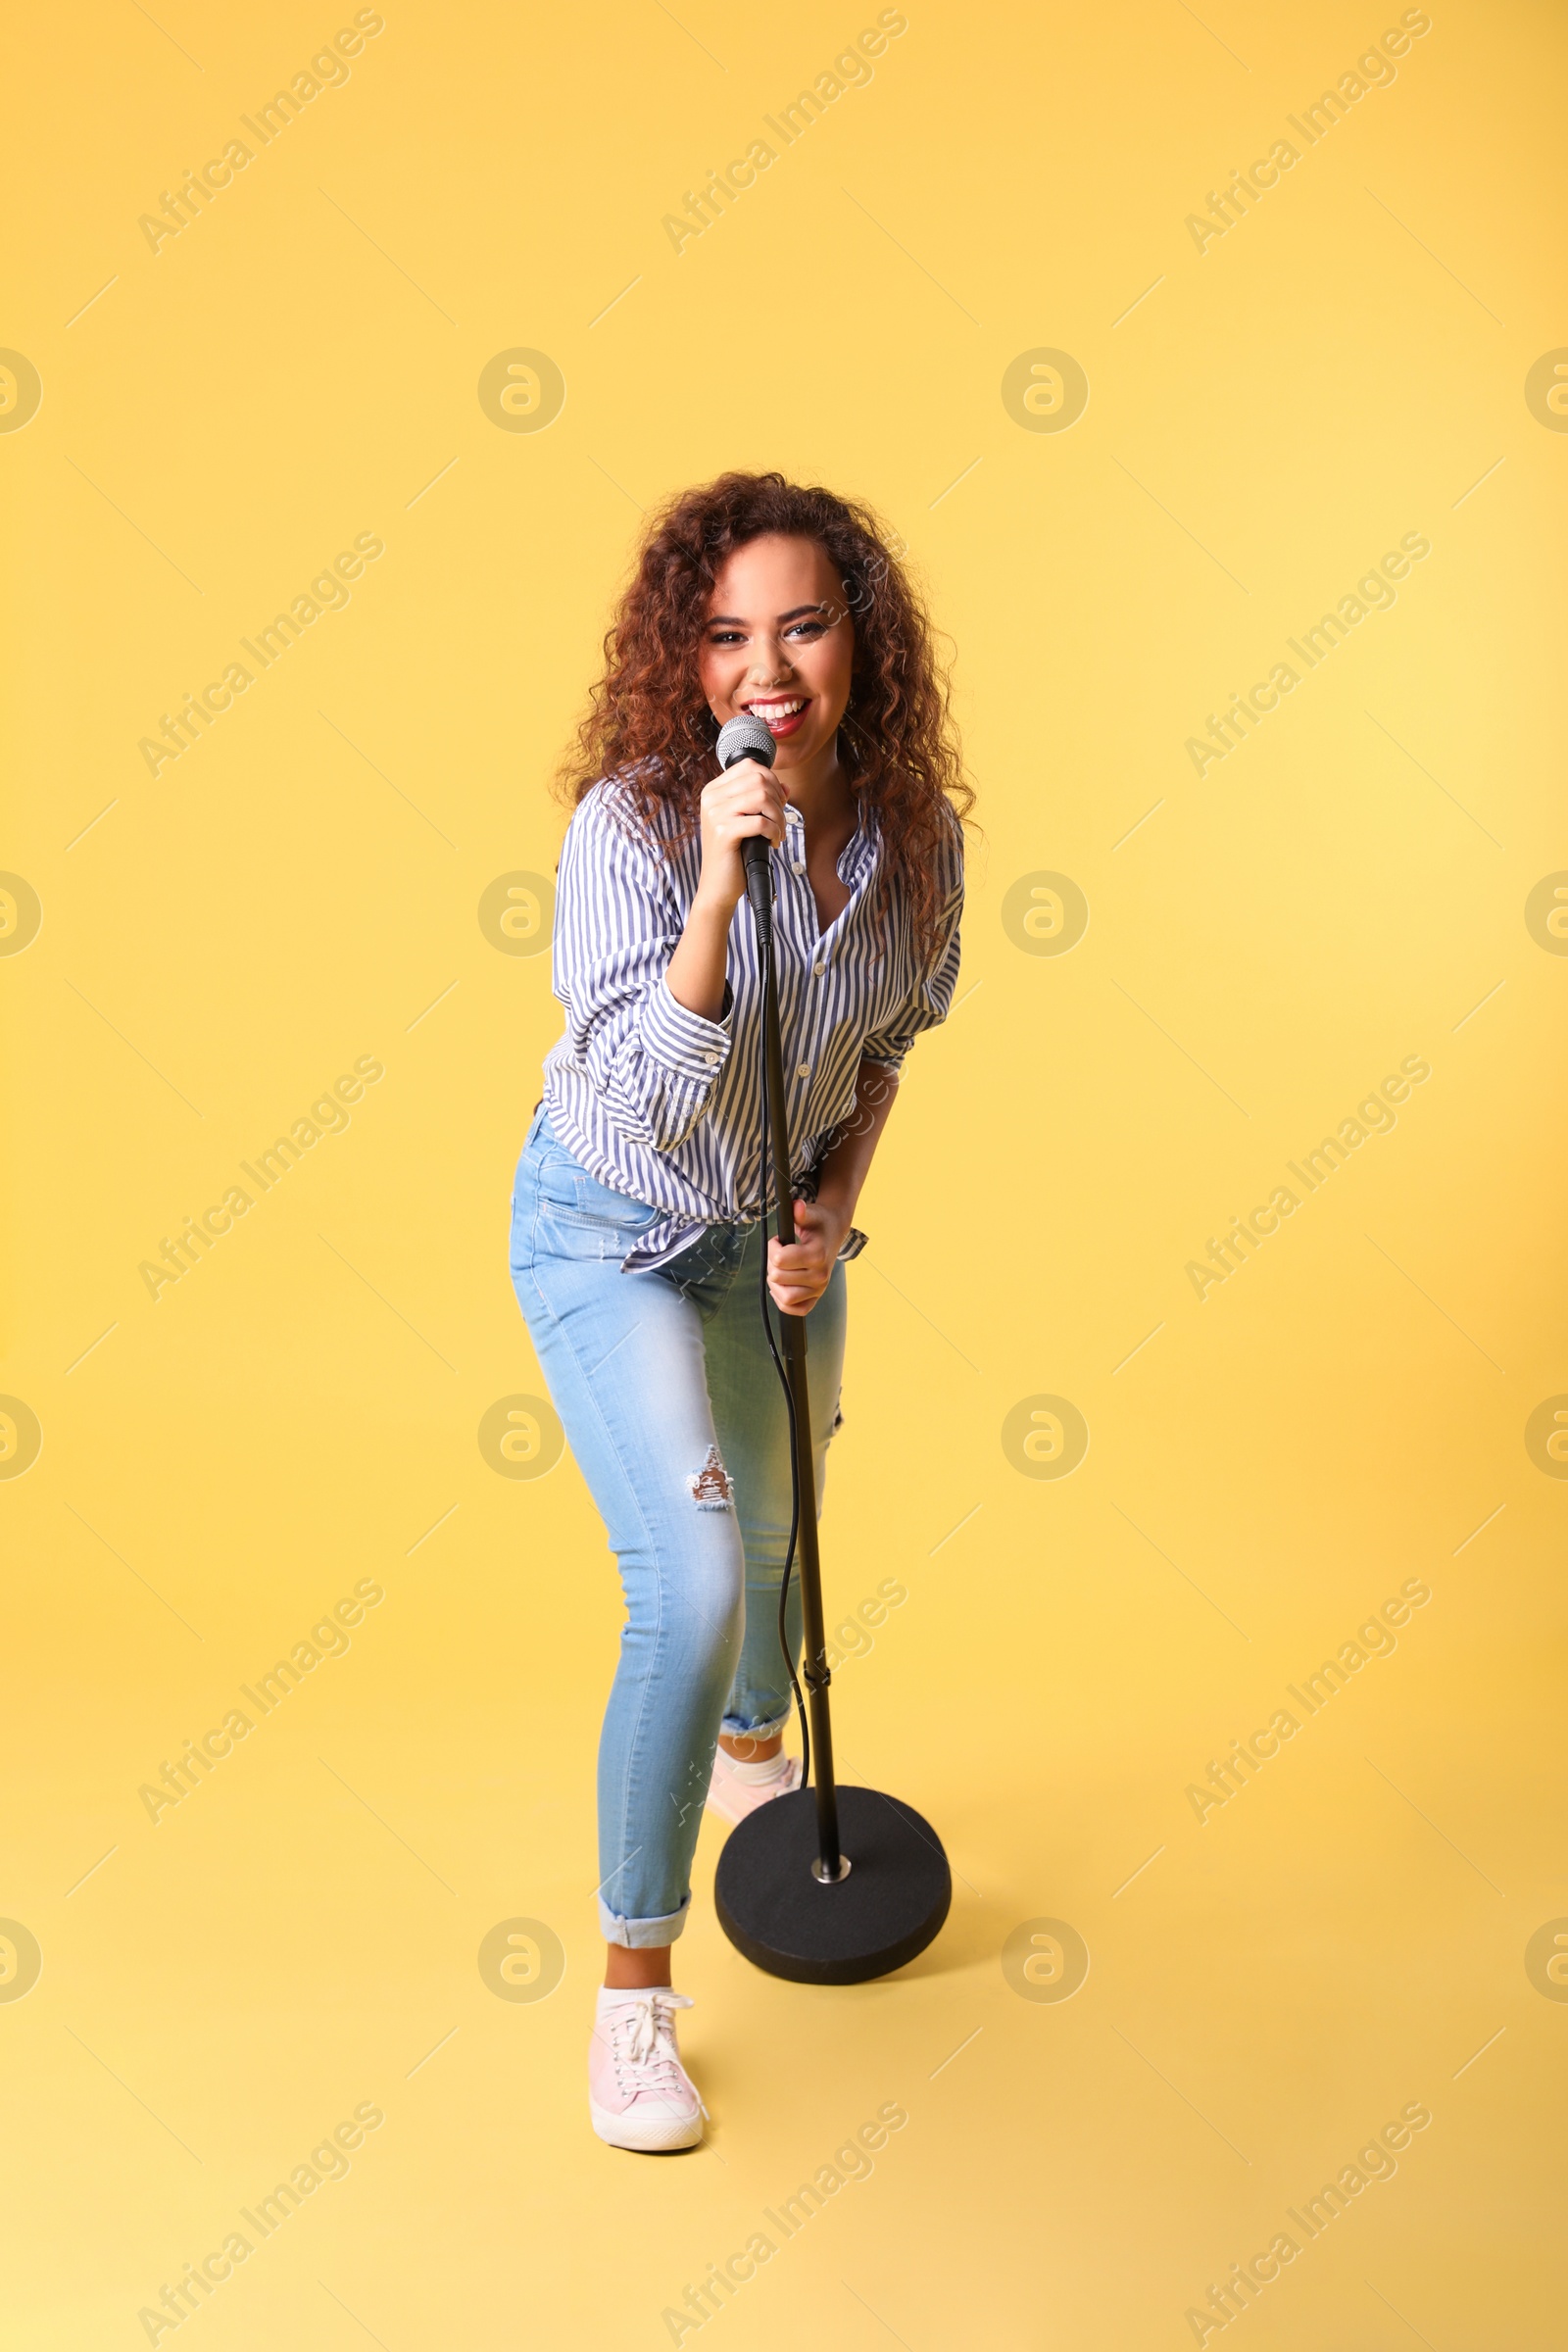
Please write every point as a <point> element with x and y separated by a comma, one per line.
<point>798,1275</point>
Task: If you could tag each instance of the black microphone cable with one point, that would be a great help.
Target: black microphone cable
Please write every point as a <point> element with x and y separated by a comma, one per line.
<point>746,737</point>
<point>764,958</point>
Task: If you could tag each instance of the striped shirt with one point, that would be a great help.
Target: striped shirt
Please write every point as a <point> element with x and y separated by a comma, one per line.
<point>662,1104</point>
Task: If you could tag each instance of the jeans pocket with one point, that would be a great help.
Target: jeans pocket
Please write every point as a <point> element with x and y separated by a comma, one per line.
<point>570,1199</point>
<point>612,1228</point>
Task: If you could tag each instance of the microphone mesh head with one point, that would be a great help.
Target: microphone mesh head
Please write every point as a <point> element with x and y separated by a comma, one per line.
<point>745,738</point>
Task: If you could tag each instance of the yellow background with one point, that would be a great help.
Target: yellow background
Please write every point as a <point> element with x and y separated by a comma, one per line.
<point>299,366</point>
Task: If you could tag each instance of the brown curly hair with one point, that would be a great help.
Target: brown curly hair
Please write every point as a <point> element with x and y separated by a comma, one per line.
<point>897,742</point>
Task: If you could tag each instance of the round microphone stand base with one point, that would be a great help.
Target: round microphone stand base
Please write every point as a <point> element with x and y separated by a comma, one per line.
<point>777,1908</point>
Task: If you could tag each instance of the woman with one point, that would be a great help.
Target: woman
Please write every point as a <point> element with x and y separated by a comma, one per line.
<point>637,1236</point>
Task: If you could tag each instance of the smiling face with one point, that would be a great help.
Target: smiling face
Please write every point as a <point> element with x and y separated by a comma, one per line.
<point>778,641</point>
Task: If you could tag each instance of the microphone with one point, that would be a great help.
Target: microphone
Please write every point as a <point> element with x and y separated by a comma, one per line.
<point>748,738</point>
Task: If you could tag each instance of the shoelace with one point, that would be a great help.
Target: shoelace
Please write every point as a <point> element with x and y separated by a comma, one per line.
<point>643,2036</point>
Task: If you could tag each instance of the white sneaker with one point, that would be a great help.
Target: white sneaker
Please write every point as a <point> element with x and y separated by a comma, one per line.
<point>639,2095</point>
<point>737,1789</point>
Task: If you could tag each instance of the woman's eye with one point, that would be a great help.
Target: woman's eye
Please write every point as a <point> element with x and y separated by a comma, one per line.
<point>806,628</point>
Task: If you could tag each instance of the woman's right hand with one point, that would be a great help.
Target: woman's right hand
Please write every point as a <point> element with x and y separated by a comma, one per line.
<point>747,800</point>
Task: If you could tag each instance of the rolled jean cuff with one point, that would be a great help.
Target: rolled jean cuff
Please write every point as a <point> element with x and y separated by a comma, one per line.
<point>734,1728</point>
<point>642,1935</point>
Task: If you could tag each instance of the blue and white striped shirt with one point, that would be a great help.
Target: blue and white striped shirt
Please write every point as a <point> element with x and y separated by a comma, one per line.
<point>662,1104</point>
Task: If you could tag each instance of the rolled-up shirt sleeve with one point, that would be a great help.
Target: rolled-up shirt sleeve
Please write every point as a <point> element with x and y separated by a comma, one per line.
<point>929,1001</point>
<point>651,1061</point>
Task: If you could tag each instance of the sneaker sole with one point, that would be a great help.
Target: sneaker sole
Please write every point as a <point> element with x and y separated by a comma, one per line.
<point>647,2137</point>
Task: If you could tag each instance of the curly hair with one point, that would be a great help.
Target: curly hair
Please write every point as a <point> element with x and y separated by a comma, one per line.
<point>897,743</point>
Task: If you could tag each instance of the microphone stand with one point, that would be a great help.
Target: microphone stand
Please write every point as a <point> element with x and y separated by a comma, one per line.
<point>854,1922</point>
<point>830,1864</point>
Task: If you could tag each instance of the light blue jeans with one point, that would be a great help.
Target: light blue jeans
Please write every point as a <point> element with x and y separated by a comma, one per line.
<point>677,1419</point>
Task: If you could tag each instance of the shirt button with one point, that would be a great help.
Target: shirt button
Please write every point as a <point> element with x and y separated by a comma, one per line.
<point>817,969</point>
<point>805,1070</point>
<point>711,1059</point>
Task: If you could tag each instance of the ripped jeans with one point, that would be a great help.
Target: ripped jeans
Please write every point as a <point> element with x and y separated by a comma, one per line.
<point>677,1419</point>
